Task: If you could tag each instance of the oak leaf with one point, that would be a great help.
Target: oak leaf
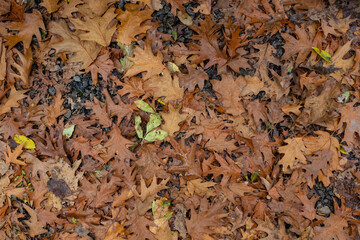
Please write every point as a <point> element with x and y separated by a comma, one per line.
<point>117,145</point>
<point>165,86</point>
<point>101,113</point>
<point>221,142</point>
<point>249,85</point>
<point>145,61</point>
<point>12,101</point>
<point>222,166</point>
<point>190,163</point>
<point>228,92</point>
<point>85,51</point>
<point>197,186</point>
<point>26,30</point>
<point>350,119</point>
<point>149,163</point>
<point>207,217</point>
<point>301,46</point>
<point>69,7</point>
<point>334,228</point>
<point>273,231</point>
<point>103,65</point>
<point>240,188</point>
<point>324,141</point>
<point>336,25</point>
<point>11,157</point>
<point>147,194</point>
<point>319,168</point>
<point>162,213</point>
<point>176,5</point>
<point>115,230</point>
<point>50,5</point>
<point>22,64</point>
<point>132,23</point>
<point>97,28</point>
<point>135,88</point>
<point>53,112</point>
<point>33,223</point>
<point>138,227</point>
<point>194,77</point>
<point>95,8</point>
<point>293,153</point>
<point>172,120</point>
<point>208,48</point>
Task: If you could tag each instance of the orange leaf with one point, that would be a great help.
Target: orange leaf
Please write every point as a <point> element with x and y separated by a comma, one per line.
<point>11,157</point>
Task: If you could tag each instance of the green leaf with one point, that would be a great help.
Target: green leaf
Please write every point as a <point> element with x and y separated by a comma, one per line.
<point>325,55</point>
<point>174,34</point>
<point>156,135</point>
<point>144,106</point>
<point>154,122</point>
<point>67,132</point>
<point>138,128</point>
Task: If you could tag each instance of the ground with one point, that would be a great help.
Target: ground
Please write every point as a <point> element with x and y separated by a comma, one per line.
<point>167,119</point>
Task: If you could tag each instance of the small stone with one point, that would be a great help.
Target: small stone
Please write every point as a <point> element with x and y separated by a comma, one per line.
<point>77,79</point>
<point>52,91</point>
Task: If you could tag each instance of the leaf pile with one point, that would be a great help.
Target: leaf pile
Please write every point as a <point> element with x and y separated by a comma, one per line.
<point>184,119</point>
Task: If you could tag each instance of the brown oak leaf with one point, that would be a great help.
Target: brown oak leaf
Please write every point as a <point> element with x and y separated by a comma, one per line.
<point>27,28</point>
<point>132,23</point>
<point>145,61</point>
<point>97,29</point>
<point>12,100</point>
<point>172,120</point>
<point>350,120</point>
<point>85,51</point>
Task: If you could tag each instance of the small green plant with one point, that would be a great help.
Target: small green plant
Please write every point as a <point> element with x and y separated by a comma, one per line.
<point>151,134</point>
<point>254,176</point>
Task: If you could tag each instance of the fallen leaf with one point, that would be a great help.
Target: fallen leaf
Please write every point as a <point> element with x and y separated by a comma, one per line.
<point>97,28</point>
<point>145,61</point>
<point>172,120</point>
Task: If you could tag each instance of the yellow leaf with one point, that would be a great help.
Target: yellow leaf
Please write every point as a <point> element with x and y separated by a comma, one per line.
<point>325,55</point>
<point>29,144</point>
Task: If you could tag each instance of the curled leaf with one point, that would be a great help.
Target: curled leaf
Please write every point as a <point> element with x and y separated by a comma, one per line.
<point>138,128</point>
<point>144,106</point>
<point>156,135</point>
<point>29,144</point>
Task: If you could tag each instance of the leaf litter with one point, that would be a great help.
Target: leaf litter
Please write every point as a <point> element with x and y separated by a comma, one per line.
<point>179,119</point>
